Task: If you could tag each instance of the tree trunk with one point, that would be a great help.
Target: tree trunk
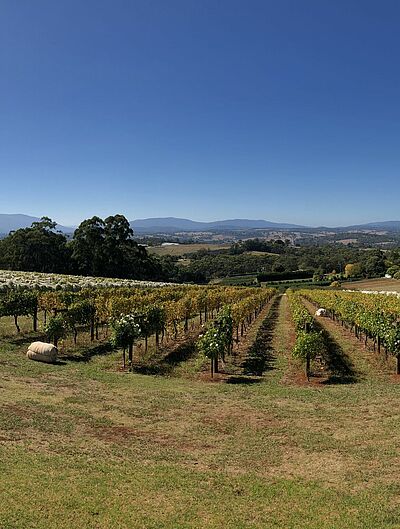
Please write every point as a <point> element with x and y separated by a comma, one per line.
<point>16,323</point>
<point>75,335</point>
<point>308,367</point>
<point>216,364</point>
<point>35,319</point>
<point>92,328</point>
<point>130,354</point>
<point>398,365</point>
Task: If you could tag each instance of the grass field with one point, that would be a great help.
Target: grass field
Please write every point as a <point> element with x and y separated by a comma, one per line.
<point>245,279</point>
<point>85,446</point>
<point>374,284</point>
<point>184,249</point>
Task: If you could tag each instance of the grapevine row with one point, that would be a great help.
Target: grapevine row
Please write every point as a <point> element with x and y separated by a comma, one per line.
<point>376,316</point>
<point>309,341</point>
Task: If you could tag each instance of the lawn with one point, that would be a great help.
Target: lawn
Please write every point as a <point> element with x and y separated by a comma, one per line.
<point>83,445</point>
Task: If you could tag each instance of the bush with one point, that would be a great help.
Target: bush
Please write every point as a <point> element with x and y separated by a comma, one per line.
<point>393,270</point>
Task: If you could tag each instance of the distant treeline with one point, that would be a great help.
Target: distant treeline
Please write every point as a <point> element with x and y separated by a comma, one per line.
<point>103,248</point>
<point>285,276</point>
<point>107,248</point>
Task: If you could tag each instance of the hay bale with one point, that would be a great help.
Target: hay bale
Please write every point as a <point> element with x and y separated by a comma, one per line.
<point>42,352</point>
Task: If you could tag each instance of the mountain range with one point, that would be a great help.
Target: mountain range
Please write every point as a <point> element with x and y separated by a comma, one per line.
<point>10,222</point>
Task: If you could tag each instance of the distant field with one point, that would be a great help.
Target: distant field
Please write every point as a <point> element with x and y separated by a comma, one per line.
<point>183,249</point>
<point>254,252</point>
<point>246,279</point>
<point>375,284</point>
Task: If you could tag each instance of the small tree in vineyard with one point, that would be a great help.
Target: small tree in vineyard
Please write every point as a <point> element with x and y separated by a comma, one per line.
<point>56,328</point>
<point>125,331</point>
<point>307,347</point>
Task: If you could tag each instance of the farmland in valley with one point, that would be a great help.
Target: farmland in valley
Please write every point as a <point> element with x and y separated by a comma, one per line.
<point>184,249</point>
<point>384,285</point>
<point>100,438</point>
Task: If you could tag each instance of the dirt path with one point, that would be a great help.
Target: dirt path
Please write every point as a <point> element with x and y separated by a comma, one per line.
<point>251,355</point>
<point>283,340</point>
<point>361,360</point>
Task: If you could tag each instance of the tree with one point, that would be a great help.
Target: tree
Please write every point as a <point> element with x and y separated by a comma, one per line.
<point>107,248</point>
<point>375,264</point>
<point>125,331</point>
<point>353,270</point>
<point>36,249</point>
<point>307,347</point>
<point>88,252</point>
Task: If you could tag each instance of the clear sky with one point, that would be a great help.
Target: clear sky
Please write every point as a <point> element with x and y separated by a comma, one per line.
<point>286,110</point>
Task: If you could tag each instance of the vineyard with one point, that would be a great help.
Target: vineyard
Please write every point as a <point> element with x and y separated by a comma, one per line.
<point>219,404</point>
<point>154,318</point>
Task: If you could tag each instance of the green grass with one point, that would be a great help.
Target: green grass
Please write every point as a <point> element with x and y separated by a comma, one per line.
<point>85,446</point>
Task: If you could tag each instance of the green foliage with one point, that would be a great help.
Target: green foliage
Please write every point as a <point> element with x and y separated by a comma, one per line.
<point>224,327</point>
<point>374,314</point>
<point>106,248</point>
<point>217,340</point>
<point>56,328</point>
<point>36,249</point>
<point>211,344</point>
<point>303,320</point>
<point>151,320</point>
<point>393,270</point>
<point>124,331</point>
<point>308,345</point>
<point>18,303</point>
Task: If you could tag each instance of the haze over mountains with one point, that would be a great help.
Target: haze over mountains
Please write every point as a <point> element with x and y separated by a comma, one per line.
<point>10,222</point>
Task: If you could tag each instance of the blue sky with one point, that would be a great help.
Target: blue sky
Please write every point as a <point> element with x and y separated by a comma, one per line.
<point>285,110</point>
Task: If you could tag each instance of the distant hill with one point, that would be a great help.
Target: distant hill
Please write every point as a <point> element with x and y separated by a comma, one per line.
<point>12,222</point>
<point>391,225</point>
<point>172,224</point>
